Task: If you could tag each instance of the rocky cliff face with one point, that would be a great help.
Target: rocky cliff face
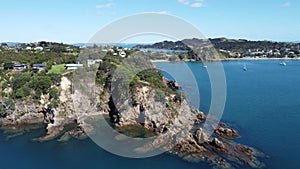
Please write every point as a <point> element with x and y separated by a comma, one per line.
<point>182,125</point>
<point>30,112</point>
<point>153,104</point>
<point>156,107</point>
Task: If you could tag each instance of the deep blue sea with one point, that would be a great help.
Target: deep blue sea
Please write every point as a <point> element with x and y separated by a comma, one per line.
<point>263,104</point>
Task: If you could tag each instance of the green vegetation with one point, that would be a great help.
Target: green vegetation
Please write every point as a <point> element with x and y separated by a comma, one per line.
<point>53,93</point>
<point>125,74</point>
<point>159,96</point>
<point>53,104</point>
<point>54,53</point>
<point>62,114</point>
<point>8,65</point>
<point>152,76</point>
<point>6,106</point>
<point>106,69</point>
<point>28,85</point>
<point>40,82</point>
<point>31,58</point>
<point>35,84</point>
<point>58,69</point>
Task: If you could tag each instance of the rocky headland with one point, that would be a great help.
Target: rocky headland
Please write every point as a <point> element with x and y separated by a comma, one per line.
<point>154,105</point>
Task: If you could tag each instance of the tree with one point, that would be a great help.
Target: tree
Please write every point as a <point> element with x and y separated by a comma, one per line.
<point>53,93</point>
<point>48,66</point>
<point>55,78</point>
<point>53,104</point>
<point>42,83</point>
<point>160,96</point>
<point>6,107</point>
<point>8,65</point>
<point>37,94</point>
<point>4,44</point>
<point>22,92</point>
<point>20,81</point>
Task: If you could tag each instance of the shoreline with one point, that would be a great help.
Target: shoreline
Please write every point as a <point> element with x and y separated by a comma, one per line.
<point>233,59</point>
<point>227,59</point>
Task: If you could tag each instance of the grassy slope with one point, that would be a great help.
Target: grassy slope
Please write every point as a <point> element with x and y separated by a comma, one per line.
<point>58,69</point>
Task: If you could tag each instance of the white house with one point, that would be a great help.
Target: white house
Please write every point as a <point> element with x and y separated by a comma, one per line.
<point>39,48</point>
<point>122,54</point>
<point>93,61</point>
<point>73,66</point>
<point>69,49</point>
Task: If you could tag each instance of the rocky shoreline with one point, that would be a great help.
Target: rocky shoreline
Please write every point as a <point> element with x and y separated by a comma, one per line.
<point>156,112</point>
<point>218,150</point>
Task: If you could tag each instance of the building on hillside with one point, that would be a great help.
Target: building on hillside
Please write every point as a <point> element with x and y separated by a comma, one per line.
<point>122,54</point>
<point>73,66</point>
<point>69,49</point>
<point>93,61</point>
<point>39,48</point>
<point>39,66</point>
<point>28,48</point>
<point>20,67</point>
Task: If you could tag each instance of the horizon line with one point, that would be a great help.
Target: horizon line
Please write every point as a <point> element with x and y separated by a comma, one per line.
<point>72,43</point>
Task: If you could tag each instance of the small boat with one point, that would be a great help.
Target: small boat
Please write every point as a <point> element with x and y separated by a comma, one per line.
<point>205,66</point>
<point>245,67</point>
<point>282,64</point>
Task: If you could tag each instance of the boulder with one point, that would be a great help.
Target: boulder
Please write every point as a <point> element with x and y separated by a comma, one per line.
<point>201,136</point>
<point>227,133</point>
<point>217,145</point>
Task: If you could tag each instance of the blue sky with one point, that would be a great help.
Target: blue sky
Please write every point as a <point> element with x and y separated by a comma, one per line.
<point>73,21</point>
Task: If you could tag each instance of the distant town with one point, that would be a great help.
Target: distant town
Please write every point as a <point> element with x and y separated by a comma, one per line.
<point>232,48</point>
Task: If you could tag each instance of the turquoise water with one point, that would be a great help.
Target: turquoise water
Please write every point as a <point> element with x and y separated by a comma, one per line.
<point>263,103</point>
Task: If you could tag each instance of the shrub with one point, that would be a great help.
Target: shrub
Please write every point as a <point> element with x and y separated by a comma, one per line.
<point>53,93</point>
<point>159,96</point>
<point>42,83</point>
<point>6,106</point>
<point>20,81</point>
<point>22,92</point>
<point>53,104</point>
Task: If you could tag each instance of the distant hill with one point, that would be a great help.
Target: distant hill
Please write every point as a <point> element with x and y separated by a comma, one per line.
<point>11,43</point>
<point>233,47</point>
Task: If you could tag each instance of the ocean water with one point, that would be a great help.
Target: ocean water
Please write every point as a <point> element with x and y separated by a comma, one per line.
<point>263,104</point>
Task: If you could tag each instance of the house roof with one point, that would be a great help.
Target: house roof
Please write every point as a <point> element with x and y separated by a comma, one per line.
<point>74,65</point>
<point>18,65</point>
<point>39,65</point>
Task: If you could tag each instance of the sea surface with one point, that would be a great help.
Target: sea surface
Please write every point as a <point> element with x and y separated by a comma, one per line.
<point>263,104</point>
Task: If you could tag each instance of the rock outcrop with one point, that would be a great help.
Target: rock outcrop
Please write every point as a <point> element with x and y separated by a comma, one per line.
<point>153,104</point>
<point>227,133</point>
<point>30,112</point>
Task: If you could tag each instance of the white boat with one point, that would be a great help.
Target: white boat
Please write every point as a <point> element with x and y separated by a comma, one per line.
<point>205,66</point>
<point>282,64</point>
<point>245,67</point>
